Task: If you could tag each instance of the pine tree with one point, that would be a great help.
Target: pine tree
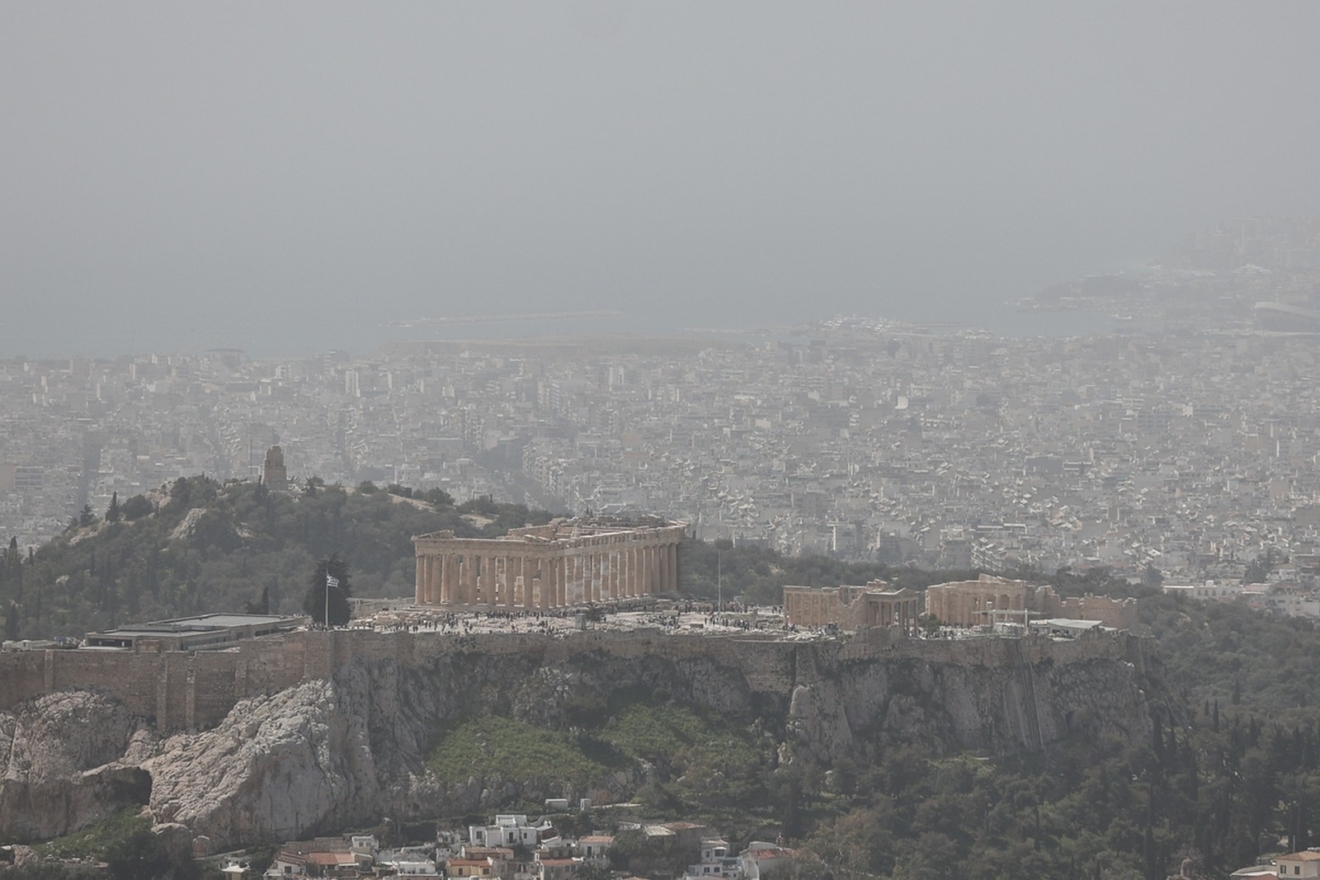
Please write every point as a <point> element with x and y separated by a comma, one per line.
<point>112,512</point>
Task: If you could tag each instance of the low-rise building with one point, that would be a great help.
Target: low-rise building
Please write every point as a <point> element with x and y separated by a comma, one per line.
<point>717,863</point>
<point>557,869</point>
<point>1299,864</point>
<point>509,829</point>
<point>594,847</point>
<point>206,631</point>
<point>461,868</point>
<point>319,857</point>
<point>761,856</point>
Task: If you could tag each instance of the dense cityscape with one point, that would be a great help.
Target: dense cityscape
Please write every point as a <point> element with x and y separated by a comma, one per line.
<point>1185,446</point>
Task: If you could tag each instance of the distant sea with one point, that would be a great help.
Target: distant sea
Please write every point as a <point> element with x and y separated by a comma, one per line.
<point>315,337</point>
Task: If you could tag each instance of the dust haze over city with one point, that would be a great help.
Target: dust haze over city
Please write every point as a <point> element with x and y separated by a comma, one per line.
<point>284,180</point>
<point>707,441</point>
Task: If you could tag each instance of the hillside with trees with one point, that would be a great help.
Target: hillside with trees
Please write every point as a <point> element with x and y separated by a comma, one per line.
<point>201,546</point>
<point>1231,774</point>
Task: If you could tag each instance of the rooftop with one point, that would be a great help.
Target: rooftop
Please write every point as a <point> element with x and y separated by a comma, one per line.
<point>192,633</point>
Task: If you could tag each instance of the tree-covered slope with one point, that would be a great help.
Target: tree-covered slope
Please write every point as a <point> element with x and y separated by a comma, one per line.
<point>202,546</point>
<point>1231,775</point>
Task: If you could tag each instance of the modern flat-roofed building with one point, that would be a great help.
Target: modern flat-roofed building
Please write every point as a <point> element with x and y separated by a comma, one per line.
<point>206,631</point>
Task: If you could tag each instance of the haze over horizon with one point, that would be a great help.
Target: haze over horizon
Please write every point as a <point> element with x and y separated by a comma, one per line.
<point>286,179</point>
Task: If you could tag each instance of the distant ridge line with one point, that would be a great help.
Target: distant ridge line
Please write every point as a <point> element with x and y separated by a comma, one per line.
<point>488,319</point>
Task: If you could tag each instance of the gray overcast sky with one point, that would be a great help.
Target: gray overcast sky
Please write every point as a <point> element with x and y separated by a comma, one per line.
<point>281,175</point>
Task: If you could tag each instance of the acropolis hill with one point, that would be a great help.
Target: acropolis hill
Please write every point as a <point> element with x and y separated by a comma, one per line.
<point>196,689</point>
<point>250,728</point>
<point>369,703</point>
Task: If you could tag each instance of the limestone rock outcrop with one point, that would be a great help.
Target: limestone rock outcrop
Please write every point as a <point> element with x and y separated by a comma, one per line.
<point>276,768</point>
<point>63,764</point>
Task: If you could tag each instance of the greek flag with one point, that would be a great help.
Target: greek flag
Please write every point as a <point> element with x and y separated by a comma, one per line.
<point>332,582</point>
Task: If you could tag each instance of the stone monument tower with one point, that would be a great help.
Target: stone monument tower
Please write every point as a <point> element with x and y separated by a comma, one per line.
<point>273,474</point>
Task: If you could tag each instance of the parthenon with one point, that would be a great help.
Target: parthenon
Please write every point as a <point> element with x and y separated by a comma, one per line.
<point>563,563</point>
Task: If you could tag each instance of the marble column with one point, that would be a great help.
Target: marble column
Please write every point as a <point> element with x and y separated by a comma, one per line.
<point>624,551</point>
<point>444,567</point>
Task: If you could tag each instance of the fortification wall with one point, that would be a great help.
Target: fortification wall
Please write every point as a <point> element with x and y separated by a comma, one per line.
<point>22,677</point>
<point>194,690</point>
<point>991,650</point>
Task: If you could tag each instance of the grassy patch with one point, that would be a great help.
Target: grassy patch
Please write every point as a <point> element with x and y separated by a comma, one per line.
<point>717,764</point>
<point>709,760</point>
<point>92,842</point>
<point>678,734</point>
<point>515,750</point>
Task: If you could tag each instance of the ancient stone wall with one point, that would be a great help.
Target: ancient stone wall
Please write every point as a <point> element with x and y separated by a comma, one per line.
<point>1118,613</point>
<point>196,690</point>
<point>851,608</point>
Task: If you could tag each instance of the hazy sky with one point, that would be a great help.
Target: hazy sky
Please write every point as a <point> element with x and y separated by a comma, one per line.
<point>284,176</point>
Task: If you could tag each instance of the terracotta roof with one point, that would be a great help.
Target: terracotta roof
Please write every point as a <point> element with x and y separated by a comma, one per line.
<point>773,852</point>
<point>1305,856</point>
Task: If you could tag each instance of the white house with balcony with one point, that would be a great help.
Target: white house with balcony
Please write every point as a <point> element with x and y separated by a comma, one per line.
<point>508,830</point>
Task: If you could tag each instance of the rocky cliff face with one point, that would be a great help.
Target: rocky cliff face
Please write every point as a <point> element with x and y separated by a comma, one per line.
<point>70,760</point>
<point>277,767</point>
<point>329,754</point>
